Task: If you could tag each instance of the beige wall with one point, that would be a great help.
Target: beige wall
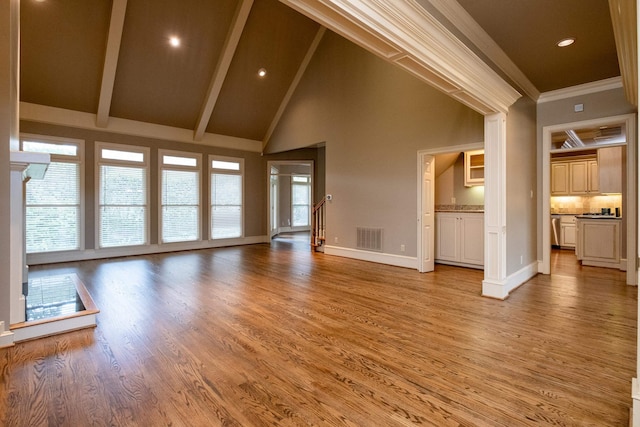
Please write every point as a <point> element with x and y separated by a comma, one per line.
<point>374,117</point>
<point>521,181</point>
<point>596,105</point>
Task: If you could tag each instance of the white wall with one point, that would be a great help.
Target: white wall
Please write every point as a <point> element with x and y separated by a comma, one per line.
<point>374,118</point>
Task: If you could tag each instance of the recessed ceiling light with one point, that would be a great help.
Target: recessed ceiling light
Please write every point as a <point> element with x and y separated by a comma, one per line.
<point>174,41</point>
<point>262,72</point>
<point>566,42</point>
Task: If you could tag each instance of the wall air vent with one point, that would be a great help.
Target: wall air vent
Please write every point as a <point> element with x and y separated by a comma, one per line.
<point>369,239</point>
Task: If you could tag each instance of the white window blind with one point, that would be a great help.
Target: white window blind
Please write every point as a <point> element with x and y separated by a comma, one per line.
<point>123,199</point>
<point>53,209</point>
<point>300,201</point>
<point>226,199</point>
<point>53,205</point>
<point>180,198</point>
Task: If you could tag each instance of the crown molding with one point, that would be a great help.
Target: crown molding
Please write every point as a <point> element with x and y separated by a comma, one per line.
<point>624,21</point>
<point>405,34</point>
<point>81,120</point>
<point>580,90</point>
<point>461,20</point>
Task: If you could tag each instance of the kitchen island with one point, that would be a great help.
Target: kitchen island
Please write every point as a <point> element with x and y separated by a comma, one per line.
<point>598,240</point>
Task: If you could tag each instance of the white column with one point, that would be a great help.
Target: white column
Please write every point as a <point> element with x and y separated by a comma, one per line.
<point>9,74</point>
<point>494,284</point>
<point>17,245</point>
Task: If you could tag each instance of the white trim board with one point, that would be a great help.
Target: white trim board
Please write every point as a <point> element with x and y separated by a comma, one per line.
<point>77,119</point>
<point>501,289</point>
<point>377,257</point>
<point>580,90</point>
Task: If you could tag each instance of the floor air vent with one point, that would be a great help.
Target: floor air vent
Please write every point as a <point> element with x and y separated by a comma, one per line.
<point>369,239</point>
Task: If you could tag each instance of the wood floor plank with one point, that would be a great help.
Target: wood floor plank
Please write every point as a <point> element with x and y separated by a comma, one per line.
<point>278,335</point>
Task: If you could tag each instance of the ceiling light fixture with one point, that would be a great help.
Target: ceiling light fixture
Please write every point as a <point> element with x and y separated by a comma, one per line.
<point>566,42</point>
<point>262,72</point>
<point>174,41</point>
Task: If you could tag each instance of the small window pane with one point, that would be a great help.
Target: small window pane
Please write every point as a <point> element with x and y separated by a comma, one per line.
<point>300,179</point>
<point>122,155</point>
<point>219,164</point>
<point>180,223</point>
<point>180,188</point>
<point>52,228</point>
<point>226,206</point>
<point>122,225</point>
<point>60,186</point>
<point>179,161</point>
<point>300,216</point>
<point>44,147</point>
<point>123,186</point>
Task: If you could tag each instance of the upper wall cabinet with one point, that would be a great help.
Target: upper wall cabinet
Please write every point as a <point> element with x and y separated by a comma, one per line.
<point>575,177</point>
<point>583,177</point>
<point>473,168</point>
<point>610,169</point>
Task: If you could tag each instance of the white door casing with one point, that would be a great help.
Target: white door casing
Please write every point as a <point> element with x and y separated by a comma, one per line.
<point>427,219</point>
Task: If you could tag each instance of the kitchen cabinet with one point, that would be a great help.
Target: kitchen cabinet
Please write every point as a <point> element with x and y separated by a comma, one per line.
<point>583,177</point>
<point>473,168</point>
<point>598,242</point>
<point>460,239</point>
<point>559,178</point>
<point>610,169</point>
<point>576,177</point>
<point>567,231</point>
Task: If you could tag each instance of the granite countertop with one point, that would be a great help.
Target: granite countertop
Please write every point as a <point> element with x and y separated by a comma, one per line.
<point>598,217</point>
<point>460,210</point>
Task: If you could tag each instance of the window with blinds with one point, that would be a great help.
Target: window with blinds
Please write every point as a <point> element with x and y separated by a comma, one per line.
<point>226,197</point>
<point>300,201</point>
<point>53,205</point>
<point>123,195</point>
<point>180,196</point>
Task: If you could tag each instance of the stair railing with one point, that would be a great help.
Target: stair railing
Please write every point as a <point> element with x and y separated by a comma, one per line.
<point>318,224</point>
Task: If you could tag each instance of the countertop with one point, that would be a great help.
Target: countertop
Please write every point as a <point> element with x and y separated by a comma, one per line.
<point>598,217</point>
<point>459,210</point>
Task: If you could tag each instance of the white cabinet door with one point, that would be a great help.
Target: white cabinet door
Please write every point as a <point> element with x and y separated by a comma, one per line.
<point>578,181</point>
<point>460,238</point>
<point>472,239</point>
<point>447,236</point>
<point>559,179</point>
<point>568,236</point>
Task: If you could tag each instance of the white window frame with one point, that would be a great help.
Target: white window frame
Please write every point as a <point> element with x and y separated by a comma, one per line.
<point>78,159</point>
<point>197,168</point>
<point>309,204</point>
<point>99,161</point>
<point>239,172</point>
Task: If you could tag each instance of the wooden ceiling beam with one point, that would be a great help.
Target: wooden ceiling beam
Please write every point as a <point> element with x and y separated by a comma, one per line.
<point>294,84</point>
<point>224,62</point>
<point>116,25</point>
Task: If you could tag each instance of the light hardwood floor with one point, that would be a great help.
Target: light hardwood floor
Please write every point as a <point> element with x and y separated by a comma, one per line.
<point>252,336</point>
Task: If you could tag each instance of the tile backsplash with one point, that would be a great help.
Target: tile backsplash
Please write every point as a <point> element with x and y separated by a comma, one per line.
<point>585,204</point>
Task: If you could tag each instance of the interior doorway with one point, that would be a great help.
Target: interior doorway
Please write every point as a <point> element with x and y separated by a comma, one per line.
<point>290,193</point>
<point>434,167</point>
<point>583,139</point>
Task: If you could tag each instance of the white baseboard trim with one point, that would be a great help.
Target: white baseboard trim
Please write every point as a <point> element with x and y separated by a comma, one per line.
<point>501,289</point>
<point>53,328</point>
<point>634,419</point>
<point>540,266</point>
<point>7,339</point>
<point>380,258</point>
<point>87,254</point>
